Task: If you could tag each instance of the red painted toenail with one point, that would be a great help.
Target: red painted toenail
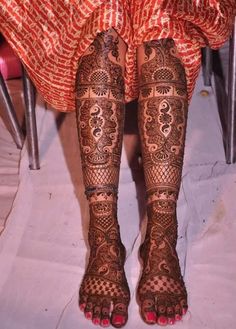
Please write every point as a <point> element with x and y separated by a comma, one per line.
<point>118,319</point>
<point>105,323</point>
<point>162,320</point>
<point>88,315</point>
<point>96,321</point>
<point>178,317</point>
<point>82,307</point>
<point>151,317</point>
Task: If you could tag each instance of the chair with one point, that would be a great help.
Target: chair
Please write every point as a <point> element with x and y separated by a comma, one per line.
<point>230,109</point>
<point>30,121</point>
<point>30,118</point>
<point>11,114</point>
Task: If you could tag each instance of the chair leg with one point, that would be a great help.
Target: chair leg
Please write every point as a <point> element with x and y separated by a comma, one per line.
<point>207,69</point>
<point>11,115</point>
<point>30,120</point>
<point>231,110</point>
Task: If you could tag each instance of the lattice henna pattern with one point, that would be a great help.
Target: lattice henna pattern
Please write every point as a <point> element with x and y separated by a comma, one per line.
<point>105,279</point>
<point>162,125</point>
<point>100,119</point>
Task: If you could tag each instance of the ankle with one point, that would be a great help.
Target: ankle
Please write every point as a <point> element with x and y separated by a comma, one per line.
<point>104,228</point>
<point>101,192</point>
<point>162,200</point>
<point>161,220</point>
<point>161,207</point>
<point>102,205</point>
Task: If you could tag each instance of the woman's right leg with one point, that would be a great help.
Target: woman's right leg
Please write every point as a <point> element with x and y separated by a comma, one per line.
<point>100,118</point>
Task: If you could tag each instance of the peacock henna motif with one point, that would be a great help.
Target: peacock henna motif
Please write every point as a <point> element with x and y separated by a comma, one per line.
<point>100,120</point>
<point>162,125</point>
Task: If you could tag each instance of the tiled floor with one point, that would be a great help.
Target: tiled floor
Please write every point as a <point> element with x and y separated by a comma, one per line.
<point>43,249</point>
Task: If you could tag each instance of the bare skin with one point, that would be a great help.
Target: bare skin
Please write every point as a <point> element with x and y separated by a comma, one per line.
<point>104,292</point>
<point>162,124</point>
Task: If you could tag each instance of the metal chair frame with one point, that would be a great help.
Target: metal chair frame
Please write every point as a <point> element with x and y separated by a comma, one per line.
<point>30,119</point>
<point>230,109</point>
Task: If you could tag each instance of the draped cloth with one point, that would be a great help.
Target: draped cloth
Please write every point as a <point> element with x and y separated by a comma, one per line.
<point>50,36</point>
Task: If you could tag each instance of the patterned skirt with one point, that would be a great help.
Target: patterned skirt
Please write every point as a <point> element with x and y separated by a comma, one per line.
<point>51,35</point>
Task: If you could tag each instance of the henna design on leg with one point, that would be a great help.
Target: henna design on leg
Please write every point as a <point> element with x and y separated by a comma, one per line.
<point>104,292</point>
<point>162,124</point>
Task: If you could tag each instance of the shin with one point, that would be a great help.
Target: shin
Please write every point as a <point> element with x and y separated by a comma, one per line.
<point>100,119</point>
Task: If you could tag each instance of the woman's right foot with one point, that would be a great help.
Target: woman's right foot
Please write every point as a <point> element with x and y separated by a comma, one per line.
<point>104,294</point>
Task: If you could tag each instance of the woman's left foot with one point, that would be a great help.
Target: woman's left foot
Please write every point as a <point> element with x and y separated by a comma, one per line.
<point>161,291</point>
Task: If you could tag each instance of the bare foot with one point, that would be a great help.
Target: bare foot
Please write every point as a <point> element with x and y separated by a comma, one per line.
<point>104,293</point>
<point>161,291</point>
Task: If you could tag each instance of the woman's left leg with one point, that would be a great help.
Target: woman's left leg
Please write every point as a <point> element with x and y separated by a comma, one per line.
<point>162,125</point>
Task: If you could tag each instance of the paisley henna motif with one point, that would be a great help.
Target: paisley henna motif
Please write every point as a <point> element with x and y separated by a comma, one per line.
<point>162,124</point>
<point>100,119</point>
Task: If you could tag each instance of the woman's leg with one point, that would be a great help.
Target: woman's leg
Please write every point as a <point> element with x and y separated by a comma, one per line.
<point>162,124</point>
<point>100,118</point>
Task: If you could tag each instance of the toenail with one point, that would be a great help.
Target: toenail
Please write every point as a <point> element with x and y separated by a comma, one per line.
<point>105,323</point>
<point>162,320</point>
<point>88,315</point>
<point>82,307</point>
<point>178,317</point>
<point>150,317</point>
<point>118,319</point>
<point>96,321</point>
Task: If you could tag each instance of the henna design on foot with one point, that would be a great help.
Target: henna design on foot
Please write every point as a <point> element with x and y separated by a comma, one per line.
<point>104,294</point>
<point>104,287</point>
<point>162,125</point>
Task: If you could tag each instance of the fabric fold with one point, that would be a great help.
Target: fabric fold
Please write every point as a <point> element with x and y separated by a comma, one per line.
<point>50,36</point>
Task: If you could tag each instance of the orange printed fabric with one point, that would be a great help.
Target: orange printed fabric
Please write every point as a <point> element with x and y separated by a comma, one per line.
<point>50,36</point>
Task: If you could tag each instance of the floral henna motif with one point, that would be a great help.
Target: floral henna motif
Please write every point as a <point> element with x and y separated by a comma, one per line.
<point>104,292</point>
<point>100,73</point>
<point>162,124</point>
<point>100,112</point>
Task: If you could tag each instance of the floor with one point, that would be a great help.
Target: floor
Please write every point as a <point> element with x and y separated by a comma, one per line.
<point>43,248</point>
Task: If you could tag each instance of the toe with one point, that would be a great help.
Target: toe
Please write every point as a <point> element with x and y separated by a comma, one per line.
<point>88,310</point>
<point>170,313</point>
<point>105,314</point>
<point>96,318</point>
<point>119,315</point>
<point>82,303</point>
<point>178,312</point>
<point>82,306</point>
<point>184,306</point>
<point>161,315</point>
<point>148,311</point>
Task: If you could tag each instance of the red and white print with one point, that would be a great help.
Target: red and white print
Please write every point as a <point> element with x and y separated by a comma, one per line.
<point>51,35</point>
